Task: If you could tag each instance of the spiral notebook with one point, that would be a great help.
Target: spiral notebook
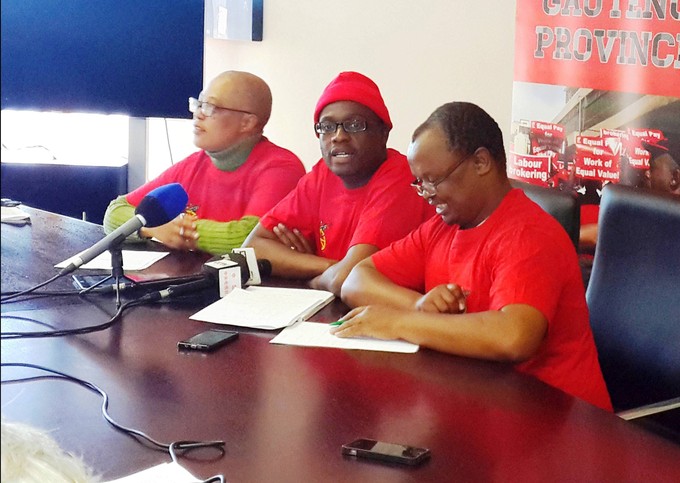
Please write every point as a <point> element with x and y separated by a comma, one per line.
<point>265,307</point>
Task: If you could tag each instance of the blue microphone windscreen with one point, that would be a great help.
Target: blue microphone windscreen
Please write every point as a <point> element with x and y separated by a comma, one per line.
<point>163,204</point>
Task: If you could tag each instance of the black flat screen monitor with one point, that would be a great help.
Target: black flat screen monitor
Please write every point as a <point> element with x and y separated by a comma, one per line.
<point>141,58</point>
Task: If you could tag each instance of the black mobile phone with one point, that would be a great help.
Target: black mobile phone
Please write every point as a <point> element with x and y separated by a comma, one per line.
<point>82,282</point>
<point>207,341</point>
<point>380,450</point>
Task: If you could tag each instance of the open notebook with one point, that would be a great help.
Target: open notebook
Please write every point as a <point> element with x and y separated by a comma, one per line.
<point>265,307</point>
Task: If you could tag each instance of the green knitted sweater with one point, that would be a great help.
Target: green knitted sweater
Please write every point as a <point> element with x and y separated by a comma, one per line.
<point>215,237</point>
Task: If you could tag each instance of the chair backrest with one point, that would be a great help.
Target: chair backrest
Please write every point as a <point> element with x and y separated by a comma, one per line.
<point>634,295</point>
<point>562,205</point>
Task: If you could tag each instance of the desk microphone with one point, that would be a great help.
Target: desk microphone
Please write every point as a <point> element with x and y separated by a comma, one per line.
<point>222,272</point>
<point>264,266</point>
<point>258,268</point>
<point>147,284</point>
<point>158,207</point>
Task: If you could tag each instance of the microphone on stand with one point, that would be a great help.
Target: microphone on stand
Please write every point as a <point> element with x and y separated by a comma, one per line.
<point>158,207</point>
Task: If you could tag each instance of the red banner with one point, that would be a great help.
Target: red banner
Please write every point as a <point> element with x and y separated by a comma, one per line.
<point>638,156</point>
<point>597,158</point>
<point>532,169</point>
<point>616,45</point>
<point>546,138</point>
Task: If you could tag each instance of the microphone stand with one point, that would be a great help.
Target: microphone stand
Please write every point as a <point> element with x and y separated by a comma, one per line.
<point>117,273</point>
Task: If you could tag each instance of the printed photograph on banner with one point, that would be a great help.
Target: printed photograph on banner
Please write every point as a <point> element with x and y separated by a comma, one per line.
<point>596,93</point>
<point>581,139</point>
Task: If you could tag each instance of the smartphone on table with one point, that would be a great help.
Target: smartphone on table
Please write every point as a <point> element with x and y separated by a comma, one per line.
<point>208,341</point>
<point>82,282</point>
<point>380,450</point>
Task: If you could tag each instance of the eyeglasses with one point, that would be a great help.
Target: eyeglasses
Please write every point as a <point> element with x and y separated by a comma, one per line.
<point>350,126</point>
<point>427,188</point>
<point>208,109</point>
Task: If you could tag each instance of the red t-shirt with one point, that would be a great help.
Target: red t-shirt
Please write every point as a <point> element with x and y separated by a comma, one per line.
<point>269,174</point>
<point>337,218</point>
<point>520,255</point>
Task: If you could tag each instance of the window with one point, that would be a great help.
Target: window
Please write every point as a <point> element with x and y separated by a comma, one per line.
<point>55,137</point>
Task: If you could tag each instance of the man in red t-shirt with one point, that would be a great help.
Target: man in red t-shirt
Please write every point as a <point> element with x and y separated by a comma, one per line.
<point>492,277</point>
<point>355,201</point>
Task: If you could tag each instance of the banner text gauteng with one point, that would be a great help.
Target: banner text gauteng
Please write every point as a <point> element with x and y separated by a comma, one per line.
<point>578,42</point>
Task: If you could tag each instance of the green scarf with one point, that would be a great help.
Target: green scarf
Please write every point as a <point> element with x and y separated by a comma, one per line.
<point>233,157</point>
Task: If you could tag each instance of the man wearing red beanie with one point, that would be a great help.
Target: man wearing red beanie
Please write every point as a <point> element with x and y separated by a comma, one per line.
<point>356,200</point>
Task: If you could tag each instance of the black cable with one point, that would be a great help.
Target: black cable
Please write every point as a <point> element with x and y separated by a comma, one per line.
<point>29,290</point>
<point>81,330</point>
<point>105,289</point>
<point>169,447</point>
<point>188,446</point>
<point>51,293</point>
<point>45,293</point>
<point>148,298</point>
<point>28,319</point>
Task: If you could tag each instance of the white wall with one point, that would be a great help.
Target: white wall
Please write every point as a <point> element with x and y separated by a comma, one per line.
<point>420,53</point>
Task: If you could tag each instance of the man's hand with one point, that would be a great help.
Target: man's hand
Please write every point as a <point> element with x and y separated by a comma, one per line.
<point>293,239</point>
<point>446,299</point>
<point>377,321</point>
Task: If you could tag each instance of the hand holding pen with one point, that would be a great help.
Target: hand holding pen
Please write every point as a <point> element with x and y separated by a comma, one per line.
<point>388,323</point>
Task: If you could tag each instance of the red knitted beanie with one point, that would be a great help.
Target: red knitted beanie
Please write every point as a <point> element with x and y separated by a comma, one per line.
<point>352,86</point>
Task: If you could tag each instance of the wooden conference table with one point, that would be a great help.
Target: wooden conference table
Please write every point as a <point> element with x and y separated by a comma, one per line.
<point>285,411</point>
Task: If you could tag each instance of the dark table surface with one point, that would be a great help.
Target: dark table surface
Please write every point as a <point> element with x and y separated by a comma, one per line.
<point>283,411</point>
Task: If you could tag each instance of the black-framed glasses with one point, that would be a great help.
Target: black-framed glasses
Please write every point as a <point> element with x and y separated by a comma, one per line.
<point>208,109</point>
<point>350,126</point>
<point>429,188</point>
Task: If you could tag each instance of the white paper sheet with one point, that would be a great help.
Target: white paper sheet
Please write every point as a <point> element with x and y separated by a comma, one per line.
<point>132,260</point>
<point>314,334</point>
<point>264,307</point>
<point>165,472</point>
<point>14,215</point>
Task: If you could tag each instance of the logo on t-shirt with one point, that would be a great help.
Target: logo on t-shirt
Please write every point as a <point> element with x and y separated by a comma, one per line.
<point>322,235</point>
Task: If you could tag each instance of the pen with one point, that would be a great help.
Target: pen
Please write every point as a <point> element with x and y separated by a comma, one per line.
<point>336,323</point>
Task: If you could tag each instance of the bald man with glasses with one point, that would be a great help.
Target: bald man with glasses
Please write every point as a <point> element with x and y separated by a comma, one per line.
<point>235,177</point>
<point>492,277</point>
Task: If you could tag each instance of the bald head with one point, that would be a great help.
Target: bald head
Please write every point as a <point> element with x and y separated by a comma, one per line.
<point>243,91</point>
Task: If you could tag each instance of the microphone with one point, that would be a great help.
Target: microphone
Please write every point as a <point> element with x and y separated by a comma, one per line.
<point>181,289</point>
<point>227,272</point>
<point>264,266</point>
<point>147,284</point>
<point>256,267</point>
<point>158,207</point>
